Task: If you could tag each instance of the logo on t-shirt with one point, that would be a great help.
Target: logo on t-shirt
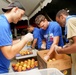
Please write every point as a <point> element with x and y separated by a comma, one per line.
<point>49,37</point>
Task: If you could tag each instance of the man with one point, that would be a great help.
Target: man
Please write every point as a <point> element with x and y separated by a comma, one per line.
<point>12,14</point>
<point>51,32</point>
<point>64,19</point>
<point>36,35</point>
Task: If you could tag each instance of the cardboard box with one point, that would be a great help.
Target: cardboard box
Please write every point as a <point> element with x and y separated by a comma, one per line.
<point>62,62</point>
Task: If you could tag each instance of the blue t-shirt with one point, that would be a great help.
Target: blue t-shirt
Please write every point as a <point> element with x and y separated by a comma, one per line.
<point>5,40</point>
<point>36,35</point>
<point>52,30</point>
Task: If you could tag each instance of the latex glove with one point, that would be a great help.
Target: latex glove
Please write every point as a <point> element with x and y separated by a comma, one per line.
<point>67,45</point>
<point>43,46</point>
<point>28,37</point>
<point>46,57</point>
<point>57,48</point>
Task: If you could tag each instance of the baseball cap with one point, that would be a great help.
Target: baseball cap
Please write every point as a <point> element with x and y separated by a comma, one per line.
<point>12,5</point>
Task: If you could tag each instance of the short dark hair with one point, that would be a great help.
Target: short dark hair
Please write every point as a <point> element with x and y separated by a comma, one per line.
<point>12,5</point>
<point>39,19</point>
<point>62,12</point>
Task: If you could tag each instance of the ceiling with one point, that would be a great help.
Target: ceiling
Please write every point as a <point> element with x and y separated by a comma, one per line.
<point>31,6</point>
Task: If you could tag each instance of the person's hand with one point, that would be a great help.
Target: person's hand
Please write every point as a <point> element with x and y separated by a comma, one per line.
<point>46,57</point>
<point>43,46</point>
<point>57,48</point>
<point>28,37</point>
<point>32,47</point>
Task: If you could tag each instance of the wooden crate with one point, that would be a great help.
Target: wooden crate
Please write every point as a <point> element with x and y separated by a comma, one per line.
<point>62,62</point>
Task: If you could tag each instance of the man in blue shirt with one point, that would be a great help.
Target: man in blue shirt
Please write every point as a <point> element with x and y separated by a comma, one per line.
<point>8,49</point>
<point>51,32</point>
<point>36,35</point>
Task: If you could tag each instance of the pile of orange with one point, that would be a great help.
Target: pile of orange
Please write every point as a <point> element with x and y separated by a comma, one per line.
<point>25,52</point>
<point>25,65</point>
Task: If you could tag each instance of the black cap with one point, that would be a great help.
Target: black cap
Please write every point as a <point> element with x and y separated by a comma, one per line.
<point>12,5</point>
